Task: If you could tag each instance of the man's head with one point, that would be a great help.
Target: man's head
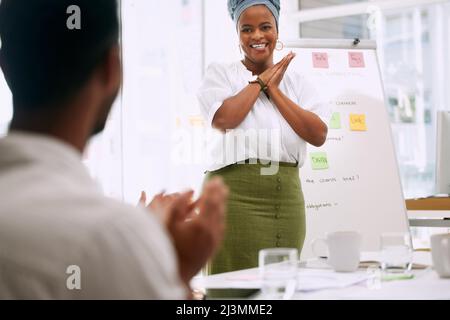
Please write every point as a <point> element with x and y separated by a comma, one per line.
<point>48,63</point>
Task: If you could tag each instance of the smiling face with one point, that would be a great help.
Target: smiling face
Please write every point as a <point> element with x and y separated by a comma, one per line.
<point>258,36</point>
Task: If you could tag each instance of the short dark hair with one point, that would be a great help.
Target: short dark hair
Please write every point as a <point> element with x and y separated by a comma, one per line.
<point>45,61</point>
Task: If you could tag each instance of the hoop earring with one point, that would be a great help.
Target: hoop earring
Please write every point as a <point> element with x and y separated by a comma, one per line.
<point>279,46</point>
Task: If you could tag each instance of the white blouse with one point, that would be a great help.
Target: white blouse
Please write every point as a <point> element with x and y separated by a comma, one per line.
<point>264,133</point>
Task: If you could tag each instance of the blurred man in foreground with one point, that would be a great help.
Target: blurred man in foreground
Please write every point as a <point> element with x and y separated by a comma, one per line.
<point>60,238</point>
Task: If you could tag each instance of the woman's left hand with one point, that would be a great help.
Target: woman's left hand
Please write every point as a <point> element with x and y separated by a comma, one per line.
<point>275,81</point>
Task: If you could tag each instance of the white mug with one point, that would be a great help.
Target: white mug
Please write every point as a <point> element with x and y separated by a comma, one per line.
<point>344,249</point>
<point>440,252</point>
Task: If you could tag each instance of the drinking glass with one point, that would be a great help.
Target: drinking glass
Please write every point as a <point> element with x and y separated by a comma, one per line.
<point>396,253</point>
<point>278,271</point>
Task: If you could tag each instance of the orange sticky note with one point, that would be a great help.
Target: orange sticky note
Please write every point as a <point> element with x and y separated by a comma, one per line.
<point>320,59</point>
<point>358,122</point>
<point>356,60</point>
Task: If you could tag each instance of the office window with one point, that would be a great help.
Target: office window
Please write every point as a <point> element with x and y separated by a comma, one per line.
<point>348,27</point>
<point>156,112</point>
<point>162,55</point>
<point>413,46</point>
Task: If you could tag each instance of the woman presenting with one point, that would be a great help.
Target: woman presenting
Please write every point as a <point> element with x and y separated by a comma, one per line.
<point>256,95</point>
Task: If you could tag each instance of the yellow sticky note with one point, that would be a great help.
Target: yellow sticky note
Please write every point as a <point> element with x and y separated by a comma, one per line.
<point>358,122</point>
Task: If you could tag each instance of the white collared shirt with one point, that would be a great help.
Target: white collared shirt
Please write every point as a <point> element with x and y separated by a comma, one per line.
<point>223,81</point>
<point>53,216</point>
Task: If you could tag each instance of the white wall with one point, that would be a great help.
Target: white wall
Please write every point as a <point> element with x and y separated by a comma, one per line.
<point>162,71</point>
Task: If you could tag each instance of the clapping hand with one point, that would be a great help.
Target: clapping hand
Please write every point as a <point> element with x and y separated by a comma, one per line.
<point>198,238</point>
<point>160,204</point>
<point>196,227</point>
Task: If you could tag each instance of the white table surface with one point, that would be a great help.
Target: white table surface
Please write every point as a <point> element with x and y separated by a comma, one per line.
<point>426,284</point>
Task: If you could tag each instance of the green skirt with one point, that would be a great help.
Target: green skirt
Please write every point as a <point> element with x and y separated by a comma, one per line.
<point>263,211</point>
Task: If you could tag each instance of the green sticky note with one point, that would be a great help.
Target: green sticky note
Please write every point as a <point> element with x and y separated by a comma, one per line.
<point>392,277</point>
<point>335,122</point>
<point>319,160</point>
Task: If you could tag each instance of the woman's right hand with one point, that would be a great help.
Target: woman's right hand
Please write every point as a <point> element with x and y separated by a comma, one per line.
<point>275,81</point>
<point>267,75</point>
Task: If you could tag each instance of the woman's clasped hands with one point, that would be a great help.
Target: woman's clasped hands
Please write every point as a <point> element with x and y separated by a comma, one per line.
<point>272,76</point>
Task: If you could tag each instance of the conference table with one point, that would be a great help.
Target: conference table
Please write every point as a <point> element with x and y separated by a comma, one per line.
<point>367,283</point>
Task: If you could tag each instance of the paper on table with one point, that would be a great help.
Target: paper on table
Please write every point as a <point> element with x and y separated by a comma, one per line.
<point>237,280</point>
<point>307,280</point>
<point>311,280</point>
<point>318,278</point>
<point>368,260</point>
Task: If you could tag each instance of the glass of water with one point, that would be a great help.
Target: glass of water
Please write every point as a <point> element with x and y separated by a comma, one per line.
<point>396,253</point>
<point>278,272</point>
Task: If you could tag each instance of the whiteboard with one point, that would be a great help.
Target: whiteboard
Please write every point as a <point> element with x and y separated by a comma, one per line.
<point>352,182</point>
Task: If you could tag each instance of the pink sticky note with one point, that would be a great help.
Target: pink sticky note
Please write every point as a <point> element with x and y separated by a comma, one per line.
<point>356,60</point>
<point>320,59</point>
